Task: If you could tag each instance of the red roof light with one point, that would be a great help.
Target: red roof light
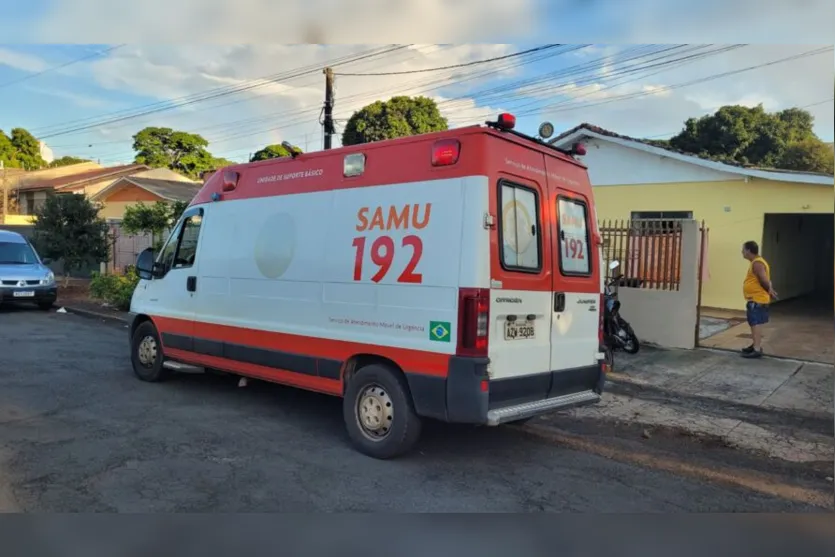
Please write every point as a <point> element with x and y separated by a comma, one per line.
<point>507,121</point>
<point>230,180</point>
<point>446,152</point>
<point>578,149</point>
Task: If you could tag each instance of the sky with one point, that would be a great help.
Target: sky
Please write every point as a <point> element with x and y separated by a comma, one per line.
<point>629,71</point>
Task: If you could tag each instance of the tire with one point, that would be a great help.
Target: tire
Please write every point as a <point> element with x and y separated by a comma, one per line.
<point>523,421</point>
<point>148,366</point>
<point>632,344</point>
<point>385,393</point>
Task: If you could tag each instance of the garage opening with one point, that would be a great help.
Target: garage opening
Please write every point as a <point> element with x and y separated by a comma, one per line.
<point>800,248</point>
<point>801,251</point>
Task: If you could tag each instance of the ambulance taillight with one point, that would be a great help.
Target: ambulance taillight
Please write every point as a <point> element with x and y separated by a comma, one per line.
<point>473,322</point>
<point>446,152</point>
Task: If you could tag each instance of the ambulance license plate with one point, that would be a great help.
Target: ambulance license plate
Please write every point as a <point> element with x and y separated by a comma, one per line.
<point>519,330</point>
<point>23,294</point>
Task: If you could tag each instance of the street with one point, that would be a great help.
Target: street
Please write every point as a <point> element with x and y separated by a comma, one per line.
<point>80,434</point>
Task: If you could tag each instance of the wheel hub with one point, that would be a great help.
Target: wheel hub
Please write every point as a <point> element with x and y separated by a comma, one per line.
<point>375,412</point>
<point>147,351</point>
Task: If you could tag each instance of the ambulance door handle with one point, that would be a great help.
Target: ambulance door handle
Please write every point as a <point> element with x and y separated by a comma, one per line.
<point>559,302</point>
<point>191,284</point>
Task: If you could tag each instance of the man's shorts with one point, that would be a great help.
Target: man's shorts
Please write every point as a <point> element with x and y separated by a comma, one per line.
<point>757,314</point>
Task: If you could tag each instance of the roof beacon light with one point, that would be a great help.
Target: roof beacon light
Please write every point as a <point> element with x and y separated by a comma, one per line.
<point>506,121</point>
<point>546,130</point>
<point>578,149</point>
<point>230,180</point>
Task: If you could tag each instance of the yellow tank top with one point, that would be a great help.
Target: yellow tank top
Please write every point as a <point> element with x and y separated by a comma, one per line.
<point>751,288</point>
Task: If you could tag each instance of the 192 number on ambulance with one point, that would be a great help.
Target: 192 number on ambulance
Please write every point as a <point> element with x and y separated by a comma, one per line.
<point>515,330</point>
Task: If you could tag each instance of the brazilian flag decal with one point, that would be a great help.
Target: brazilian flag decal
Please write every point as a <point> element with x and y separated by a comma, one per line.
<point>440,331</point>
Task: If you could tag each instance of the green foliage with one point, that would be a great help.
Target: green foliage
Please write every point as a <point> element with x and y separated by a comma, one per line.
<point>810,155</point>
<point>66,161</point>
<point>8,153</point>
<point>752,136</point>
<point>115,290</point>
<point>180,151</point>
<point>398,117</point>
<point>68,228</point>
<point>28,149</point>
<point>152,219</point>
<point>270,152</point>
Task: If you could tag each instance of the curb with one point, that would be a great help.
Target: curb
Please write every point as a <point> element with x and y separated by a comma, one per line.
<point>768,356</point>
<point>96,315</point>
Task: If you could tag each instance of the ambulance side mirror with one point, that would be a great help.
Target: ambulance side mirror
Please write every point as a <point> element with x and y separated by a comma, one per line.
<point>146,266</point>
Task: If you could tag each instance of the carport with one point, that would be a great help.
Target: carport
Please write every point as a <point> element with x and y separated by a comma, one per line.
<point>801,251</point>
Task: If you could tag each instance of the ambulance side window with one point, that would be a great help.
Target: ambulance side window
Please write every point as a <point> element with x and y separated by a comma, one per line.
<point>519,228</point>
<point>187,250</point>
<point>573,230</point>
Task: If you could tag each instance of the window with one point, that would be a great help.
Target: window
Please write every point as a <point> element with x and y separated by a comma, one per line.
<point>519,228</point>
<point>14,253</point>
<point>180,250</point>
<point>188,243</point>
<point>573,230</point>
<point>650,223</point>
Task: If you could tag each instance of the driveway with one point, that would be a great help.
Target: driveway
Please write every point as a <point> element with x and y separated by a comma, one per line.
<point>79,434</point>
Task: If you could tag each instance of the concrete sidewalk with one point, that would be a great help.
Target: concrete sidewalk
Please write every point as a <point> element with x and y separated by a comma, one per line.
<point>778,407</point>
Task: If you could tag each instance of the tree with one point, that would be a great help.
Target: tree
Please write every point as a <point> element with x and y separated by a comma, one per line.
<point>746,135</point>
<point>8,152</point>
<point>28,149</point>
<point>152,219</point>
<point>270,152</point>
<point>180,151</point>
<point>66,161</point>
<point>69,229</point>
<point>398,117</point>
<point>810,155</point>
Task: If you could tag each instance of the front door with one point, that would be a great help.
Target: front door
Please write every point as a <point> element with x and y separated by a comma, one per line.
<point>170,298</point>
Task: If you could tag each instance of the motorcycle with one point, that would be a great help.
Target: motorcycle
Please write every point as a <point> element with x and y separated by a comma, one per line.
<point>617,332</point>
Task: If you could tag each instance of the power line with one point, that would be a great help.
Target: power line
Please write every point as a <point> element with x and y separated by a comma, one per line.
<point>59,66</point>
<point>455,66</point>
<point>216,93</point>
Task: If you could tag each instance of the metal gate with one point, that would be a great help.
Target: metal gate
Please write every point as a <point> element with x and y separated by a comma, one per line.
<point>125,248</point>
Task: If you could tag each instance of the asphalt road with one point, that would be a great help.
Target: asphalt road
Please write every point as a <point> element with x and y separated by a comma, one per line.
<point>79,433</point>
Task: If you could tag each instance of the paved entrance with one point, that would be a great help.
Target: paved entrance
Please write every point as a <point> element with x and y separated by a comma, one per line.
<point>803,328</point>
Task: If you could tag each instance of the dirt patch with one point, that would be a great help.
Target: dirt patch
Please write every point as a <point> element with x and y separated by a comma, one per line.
<point>76,295</point>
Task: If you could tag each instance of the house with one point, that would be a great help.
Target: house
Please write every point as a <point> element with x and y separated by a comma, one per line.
<point>85,178</point>
<point>790,214</point>
<point>148,187</point>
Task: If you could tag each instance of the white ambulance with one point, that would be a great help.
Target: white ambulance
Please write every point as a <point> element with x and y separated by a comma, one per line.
<point>453,276</point>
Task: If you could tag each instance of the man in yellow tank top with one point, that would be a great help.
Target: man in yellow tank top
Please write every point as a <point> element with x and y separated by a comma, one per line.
<point>758,294</point>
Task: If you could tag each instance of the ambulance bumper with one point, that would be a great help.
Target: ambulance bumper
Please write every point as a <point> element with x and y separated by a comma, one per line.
<point>467,395</point>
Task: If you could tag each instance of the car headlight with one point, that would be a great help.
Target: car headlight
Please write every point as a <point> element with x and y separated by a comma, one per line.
<point>50,278</point>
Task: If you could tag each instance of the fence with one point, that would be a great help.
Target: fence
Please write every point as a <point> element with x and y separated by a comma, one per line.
<point>649,252</point>
<point>124,248</point>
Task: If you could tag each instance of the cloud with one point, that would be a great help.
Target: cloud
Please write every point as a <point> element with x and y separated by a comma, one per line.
<point>22,61</point>
<point>653,105</point>
<point>287,21</point>
<point>274,110</point>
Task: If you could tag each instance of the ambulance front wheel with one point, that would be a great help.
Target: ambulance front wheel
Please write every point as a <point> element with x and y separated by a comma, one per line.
<point>379,413</point>
<point>146,354</point>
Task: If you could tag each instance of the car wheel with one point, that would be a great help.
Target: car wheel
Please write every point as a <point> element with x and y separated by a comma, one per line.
<point>146,354</point>
<point>45,306</point>
<point>379,414</point>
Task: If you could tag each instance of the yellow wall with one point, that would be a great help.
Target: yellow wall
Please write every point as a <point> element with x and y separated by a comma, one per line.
<point>115,209</point>
<point>743,220</point>
<point>18,219</point>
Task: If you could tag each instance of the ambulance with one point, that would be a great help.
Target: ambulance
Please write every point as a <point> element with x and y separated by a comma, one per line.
<point>451,276</point>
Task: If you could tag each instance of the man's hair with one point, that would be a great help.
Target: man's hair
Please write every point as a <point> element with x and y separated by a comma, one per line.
<point>752,246</point>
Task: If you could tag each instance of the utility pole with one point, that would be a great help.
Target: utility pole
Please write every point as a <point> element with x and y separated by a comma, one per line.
<point>5,194</point>
<point>328,120</point>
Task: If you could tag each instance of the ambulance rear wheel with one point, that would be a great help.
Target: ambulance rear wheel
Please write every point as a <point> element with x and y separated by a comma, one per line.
<point>379,413</point>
